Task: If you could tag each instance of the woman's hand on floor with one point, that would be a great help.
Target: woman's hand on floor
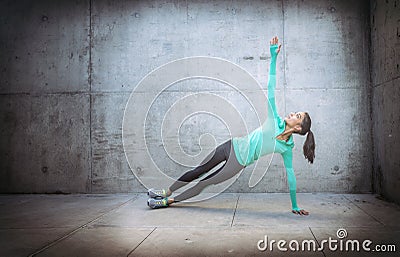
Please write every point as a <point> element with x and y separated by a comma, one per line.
<point>300,212</point>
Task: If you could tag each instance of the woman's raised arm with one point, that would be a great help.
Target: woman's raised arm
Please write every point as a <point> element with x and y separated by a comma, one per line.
<point>274,48</point>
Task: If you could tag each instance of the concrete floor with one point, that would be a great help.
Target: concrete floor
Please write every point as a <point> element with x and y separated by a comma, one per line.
<point>227,225</point>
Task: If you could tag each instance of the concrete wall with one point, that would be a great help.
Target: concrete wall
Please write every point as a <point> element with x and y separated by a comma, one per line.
<point>68,69</point>
<point>45,97</point>
<point>385,73</point>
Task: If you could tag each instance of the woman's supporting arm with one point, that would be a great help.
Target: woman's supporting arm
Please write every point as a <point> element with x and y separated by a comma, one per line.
<point>287,159</point>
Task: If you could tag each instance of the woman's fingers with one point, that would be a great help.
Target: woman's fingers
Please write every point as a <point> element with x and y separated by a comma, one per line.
<point>274,41</point>
<point>304,212</point>
<point>301,212</point>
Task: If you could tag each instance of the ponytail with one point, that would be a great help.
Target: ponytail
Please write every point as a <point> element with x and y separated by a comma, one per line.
<point>309,147</point>
<point>309,144</point>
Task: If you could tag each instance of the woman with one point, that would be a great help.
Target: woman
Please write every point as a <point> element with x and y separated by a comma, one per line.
<point>275,135</point>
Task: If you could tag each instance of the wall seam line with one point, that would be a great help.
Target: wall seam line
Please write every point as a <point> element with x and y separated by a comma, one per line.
<point>371,97</point>
<point>90,96</point>
<point>284,54</point>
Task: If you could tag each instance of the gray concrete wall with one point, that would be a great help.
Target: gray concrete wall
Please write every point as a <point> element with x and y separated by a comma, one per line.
<point>68,69</point>
<point>385,73</point>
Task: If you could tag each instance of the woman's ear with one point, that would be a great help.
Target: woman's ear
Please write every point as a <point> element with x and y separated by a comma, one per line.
<point>297,128</point>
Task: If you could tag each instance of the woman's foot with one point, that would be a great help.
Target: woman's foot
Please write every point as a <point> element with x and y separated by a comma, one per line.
<point>158,193</point>
<point>157,203</point>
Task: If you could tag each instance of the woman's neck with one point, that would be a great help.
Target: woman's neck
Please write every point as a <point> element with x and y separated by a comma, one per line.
<point>285,134</point>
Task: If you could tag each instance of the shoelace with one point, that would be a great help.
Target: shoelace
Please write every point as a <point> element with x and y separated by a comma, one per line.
<point>159,192</point>
<point>160,202</point>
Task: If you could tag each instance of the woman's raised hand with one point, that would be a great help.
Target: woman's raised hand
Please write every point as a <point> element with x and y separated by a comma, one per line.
<point>275,41</point>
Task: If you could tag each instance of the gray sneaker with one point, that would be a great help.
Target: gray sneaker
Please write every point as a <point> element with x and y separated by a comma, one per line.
<point>157,203</point>
<point>157,193</point>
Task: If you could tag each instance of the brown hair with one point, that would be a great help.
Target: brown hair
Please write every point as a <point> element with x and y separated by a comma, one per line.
<point>309,144</point>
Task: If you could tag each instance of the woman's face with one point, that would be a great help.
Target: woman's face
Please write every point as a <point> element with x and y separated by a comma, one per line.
<point>294,120</point>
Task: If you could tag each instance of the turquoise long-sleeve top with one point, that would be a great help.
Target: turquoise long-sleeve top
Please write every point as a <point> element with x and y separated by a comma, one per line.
<point>263,140</point>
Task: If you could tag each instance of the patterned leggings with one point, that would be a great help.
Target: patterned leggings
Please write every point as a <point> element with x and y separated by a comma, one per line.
<point>231,167</point>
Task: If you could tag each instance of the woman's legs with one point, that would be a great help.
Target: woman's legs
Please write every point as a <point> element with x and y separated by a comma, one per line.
<point>220,154</point>
<point>228,170</point>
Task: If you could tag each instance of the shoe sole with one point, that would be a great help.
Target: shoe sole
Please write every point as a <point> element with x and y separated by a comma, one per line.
<point>156,196</point>
<point>155,207</point>
<point>148,204</point>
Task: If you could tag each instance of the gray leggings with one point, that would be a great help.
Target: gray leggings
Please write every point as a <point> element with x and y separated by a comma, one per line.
<point>231,167</point>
